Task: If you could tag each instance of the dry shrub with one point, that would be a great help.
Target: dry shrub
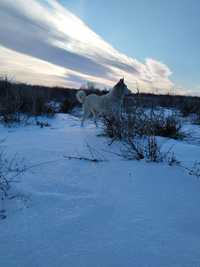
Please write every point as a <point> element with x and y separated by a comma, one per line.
<point>10,169</point>
<point>166,126</point>
<point>67,105</point>
<point>190,106</point>
<point>138,132</point>
<point>143,123</point>
<point>142,148</point>
<point>196,118</point>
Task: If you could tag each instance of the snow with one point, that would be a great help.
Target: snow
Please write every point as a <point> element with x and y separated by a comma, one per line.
<point>79,213</point>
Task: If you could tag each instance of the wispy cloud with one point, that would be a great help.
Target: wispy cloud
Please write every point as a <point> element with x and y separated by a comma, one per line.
<point>43,42</point>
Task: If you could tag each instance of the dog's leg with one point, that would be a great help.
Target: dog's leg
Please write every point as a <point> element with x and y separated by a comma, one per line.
<point>83,119</point>
<point>86,114</point>
<point>94,117</point>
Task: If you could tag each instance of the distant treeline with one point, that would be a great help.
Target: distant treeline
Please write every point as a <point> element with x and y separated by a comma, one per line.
<point>37,100</point>
<point>185,104</point>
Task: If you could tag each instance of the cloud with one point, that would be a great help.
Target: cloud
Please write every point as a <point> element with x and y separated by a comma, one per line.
<point>36,71</point>
<point>60,46</point>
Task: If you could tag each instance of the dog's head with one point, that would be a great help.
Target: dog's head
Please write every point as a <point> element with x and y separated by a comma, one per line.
<point>122,88</point>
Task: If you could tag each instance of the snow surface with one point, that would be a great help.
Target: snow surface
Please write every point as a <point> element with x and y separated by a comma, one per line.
<point>112,213</point>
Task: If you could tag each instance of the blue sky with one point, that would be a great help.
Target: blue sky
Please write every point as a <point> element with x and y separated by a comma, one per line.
<point>153,44</point>
<point>168,31</point>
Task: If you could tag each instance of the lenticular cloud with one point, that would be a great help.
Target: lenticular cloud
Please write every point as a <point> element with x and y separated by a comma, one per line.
<point>42,42</point>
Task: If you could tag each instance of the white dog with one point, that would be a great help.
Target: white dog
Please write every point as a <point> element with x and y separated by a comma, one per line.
<point>109,104</point>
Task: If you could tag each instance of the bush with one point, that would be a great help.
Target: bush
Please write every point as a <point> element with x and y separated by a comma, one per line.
<point>113,127</point>
<point>42,124</point>
<point>166,126</point>
<point>10,105</point>
<point>190,106</point>
<point>67,106</point>
<point>196,118</point>
<point>9,170</point>
<point>141,123</point>
<point>142,148</point>
<point>138,132</point>
<point>10,111</point>
<point>16,101</point>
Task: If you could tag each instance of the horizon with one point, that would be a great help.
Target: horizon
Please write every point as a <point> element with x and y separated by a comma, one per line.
<point>94,87</point>
<point>47,52</point>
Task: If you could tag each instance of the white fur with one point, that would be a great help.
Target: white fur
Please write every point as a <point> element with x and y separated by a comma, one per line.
<point>109,104</point>
<point>81,96</point>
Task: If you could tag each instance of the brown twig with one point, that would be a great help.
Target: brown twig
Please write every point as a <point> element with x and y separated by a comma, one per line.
<point>84,158</point>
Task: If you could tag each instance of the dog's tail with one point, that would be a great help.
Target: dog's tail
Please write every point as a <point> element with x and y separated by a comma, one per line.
<point>81,95</point>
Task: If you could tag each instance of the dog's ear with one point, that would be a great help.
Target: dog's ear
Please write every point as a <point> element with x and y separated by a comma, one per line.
<point>122,80</point>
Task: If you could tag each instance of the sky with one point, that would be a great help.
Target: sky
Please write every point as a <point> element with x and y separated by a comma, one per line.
<point>153,44</point>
